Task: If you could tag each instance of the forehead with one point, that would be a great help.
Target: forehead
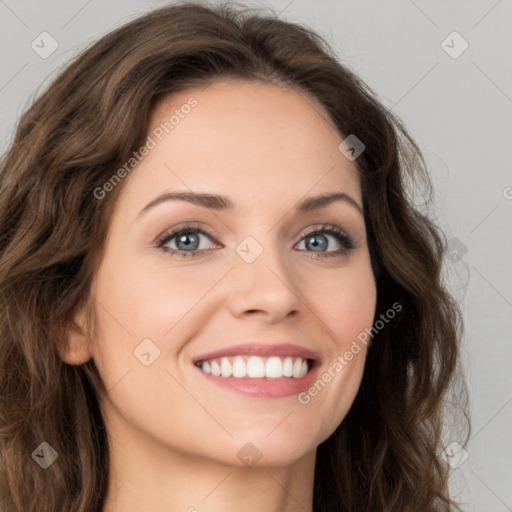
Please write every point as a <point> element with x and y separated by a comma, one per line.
<point>250,140</point>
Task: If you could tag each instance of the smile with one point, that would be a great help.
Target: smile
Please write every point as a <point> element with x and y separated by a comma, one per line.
<point>255,367</point>
<point>260,370</point>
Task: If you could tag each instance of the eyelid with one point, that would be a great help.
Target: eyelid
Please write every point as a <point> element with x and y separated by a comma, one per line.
<point>345,240</point>
<point>315,228</point>
<point>199,226</point>
<point>188,226</point>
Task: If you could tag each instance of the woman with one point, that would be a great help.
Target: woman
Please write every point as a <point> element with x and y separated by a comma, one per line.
<point>216,293</point>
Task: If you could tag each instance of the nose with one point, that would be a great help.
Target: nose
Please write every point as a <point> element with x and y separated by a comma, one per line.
<point>265,288</point>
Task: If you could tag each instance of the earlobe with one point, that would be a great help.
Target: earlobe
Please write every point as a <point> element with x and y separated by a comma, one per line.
<point>76,348</point>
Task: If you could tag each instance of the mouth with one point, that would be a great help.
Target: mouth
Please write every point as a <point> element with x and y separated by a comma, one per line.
<point>256,367</point>
<point>269,371</point>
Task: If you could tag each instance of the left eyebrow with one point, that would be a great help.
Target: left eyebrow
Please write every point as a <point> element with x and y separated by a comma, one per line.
<point>218,202</point>
<point>321,201</point>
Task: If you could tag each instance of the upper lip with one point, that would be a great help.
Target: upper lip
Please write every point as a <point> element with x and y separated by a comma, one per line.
<point>262,350</point>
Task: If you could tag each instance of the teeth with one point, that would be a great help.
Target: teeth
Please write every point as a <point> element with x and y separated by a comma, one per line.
<point>287,367</point>
<point>239,367</point>
<point>255,367</point>
<point>273,368</point>
<point>215,368</point>
<point>225,367</point>
<point>304,369</point>
<point>297,368</point>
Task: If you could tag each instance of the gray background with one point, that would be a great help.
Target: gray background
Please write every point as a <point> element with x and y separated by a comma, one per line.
<point>458,109</point>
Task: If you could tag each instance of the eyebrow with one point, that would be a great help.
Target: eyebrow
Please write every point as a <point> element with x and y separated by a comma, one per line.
<point>219,203</point>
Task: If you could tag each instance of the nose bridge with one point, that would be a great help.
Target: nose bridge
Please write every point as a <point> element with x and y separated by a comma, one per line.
<point>262,280</point>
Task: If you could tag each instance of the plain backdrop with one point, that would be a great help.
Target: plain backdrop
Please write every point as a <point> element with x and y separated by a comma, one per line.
<point>445,69</point>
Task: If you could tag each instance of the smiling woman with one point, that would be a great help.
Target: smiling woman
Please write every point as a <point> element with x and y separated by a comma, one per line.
<point>249,313</point>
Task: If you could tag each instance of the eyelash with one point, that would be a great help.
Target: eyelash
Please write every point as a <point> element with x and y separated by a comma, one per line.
<point>345,240</point>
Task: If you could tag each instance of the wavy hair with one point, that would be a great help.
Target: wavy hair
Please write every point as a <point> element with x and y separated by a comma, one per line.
<point>385,455</point>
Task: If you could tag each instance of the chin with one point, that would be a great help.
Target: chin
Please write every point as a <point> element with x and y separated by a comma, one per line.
<point>275,450</point>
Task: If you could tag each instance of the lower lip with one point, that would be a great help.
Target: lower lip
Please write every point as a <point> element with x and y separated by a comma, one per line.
<point>272,388</point>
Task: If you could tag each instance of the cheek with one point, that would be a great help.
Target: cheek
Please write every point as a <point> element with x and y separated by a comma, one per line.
<point>346,303</point>
<point>151,298</point>
<point>347,307</point>
<point>139,302</point>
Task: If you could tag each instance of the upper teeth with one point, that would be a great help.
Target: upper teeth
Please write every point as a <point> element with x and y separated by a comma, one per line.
<point>256,367</point>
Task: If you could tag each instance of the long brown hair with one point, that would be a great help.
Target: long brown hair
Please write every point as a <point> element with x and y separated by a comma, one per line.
<point>385,455</point>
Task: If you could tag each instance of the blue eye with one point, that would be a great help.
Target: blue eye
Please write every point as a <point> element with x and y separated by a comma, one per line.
<point>318,241</point>
<point>187,241</point>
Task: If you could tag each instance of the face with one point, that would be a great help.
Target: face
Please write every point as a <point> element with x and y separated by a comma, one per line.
<point>253,288</point>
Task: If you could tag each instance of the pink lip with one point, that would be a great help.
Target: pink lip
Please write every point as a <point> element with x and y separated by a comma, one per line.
<point>258,349</point>
<point>264,388</point>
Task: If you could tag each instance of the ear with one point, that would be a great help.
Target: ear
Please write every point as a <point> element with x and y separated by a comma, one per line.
<point>76,346</point>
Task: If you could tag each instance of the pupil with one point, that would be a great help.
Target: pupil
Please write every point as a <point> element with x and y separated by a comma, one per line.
<point>322,244</point>
<point>185,239</point>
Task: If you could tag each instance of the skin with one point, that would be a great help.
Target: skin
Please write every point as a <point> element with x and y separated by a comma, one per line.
<point>174,436</point>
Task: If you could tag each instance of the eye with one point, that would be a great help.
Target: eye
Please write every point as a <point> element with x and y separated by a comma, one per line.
<point>319,241</point>
<point>186,239</point>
